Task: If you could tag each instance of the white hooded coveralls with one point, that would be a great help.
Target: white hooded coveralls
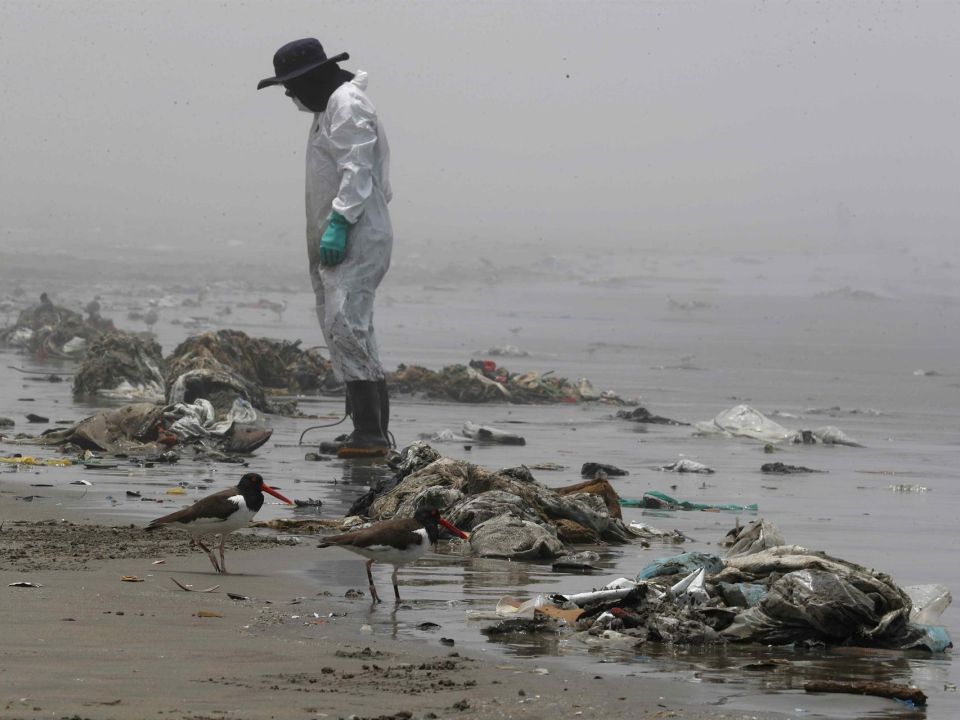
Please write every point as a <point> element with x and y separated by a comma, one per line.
<point>348,163</point>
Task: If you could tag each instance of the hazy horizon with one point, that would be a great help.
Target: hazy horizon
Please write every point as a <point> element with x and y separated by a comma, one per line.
<point>554,126</point>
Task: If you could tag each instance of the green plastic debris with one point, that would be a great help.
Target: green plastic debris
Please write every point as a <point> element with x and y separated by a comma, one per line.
<point>656,500</point>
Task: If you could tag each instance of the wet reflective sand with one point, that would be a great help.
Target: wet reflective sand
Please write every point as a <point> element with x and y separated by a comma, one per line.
<point>818,360</point>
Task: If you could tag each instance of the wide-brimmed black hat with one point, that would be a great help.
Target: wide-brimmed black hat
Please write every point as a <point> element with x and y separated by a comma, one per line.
<point>298,58</point>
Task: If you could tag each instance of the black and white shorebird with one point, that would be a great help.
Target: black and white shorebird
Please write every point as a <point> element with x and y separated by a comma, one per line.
<point>220,514</point>
<point>398,542</point>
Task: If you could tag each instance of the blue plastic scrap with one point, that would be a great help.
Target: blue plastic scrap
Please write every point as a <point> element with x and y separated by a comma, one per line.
<point>683,563</point>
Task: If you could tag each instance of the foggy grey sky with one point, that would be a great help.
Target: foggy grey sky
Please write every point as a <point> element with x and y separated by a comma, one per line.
<point>705,124</point>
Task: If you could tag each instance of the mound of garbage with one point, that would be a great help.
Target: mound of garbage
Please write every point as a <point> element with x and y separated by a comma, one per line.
<point>162,433</point>
<point>510,514</point>
<point>124,366</point>
<point>482,381</point>
<point>763,591</point>
<point>47,330</point>
<point>224,365</point>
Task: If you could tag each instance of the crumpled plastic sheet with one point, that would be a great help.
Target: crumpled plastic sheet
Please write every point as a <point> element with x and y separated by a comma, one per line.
<point>199,419</point>
<point>745,421</point>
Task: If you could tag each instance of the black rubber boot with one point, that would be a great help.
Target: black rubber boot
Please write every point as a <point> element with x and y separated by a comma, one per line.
<point>367,438</point>
<point>384,410</point>
<point>332,447</point>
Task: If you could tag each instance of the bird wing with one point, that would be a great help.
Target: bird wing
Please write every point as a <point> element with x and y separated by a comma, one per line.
<point>401,532</point>
<point>218,506</point>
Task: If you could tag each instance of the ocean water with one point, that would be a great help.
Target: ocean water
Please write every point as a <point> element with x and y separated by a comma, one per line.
<point>838,340</point>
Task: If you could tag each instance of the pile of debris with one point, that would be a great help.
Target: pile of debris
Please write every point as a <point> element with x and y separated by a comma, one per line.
<point>509,513</point>
<point>221,366</point>
<point>122,366</point>
<point>763,591</point>
<point>163,433</point>
<point>52,331</point>
<point>482,381</point>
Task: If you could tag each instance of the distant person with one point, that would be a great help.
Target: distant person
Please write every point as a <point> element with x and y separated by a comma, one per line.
<point>349,235</point>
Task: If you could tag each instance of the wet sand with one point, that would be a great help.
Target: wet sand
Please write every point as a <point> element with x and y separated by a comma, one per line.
<point>89,644</point>
<point>794,335</point>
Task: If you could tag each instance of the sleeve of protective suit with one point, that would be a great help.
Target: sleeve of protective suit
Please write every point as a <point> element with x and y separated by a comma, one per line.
<point>353,137</point>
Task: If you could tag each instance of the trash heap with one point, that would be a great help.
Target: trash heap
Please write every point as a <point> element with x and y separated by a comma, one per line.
<point>122,366</point>
<point>763,591</point>
<point>52,331</point>
<point>163,433</point>
<point>509,513</point>
<point>483,381</point>
<point>224,365</point>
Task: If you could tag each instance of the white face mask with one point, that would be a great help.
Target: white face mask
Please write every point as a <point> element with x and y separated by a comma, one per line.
<point>300,106</point>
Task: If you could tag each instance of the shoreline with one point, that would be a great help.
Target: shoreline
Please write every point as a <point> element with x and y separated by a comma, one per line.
<point>89,644</point>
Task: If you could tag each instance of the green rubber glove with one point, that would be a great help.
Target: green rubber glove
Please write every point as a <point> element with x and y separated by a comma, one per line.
<point>333,244</point>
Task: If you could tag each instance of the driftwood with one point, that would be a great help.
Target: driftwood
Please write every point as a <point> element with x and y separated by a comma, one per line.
<point>887,690</point>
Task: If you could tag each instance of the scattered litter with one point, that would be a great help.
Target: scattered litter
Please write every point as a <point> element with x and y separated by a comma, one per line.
<point>176,491</point>
<point>686,466</point>
<point>653,499</point>
<point>507,351</point>
<point>763,665</point>
<point>207,614</point>
<point>133,493</point>
<point>552,466</point>
<point>158,562</point>
<point>308,503</point>
<point>642,415</point>
<point>908,488</point>
<point>879,689</point>
<point>131,578</point>
<point>25,584</point>
<point>189,588</point>
<point>567,615</point>
<point>779,468</point>
<point>758,535</point>
<point>80,482</point>
<point>236,596</point>
<point>649,532</point>
<point>485,433</point>
<point>565,564</point>
<point>929,602</point>
<point>592,469</point>
<point>27,460</point>
<point>745,421</point>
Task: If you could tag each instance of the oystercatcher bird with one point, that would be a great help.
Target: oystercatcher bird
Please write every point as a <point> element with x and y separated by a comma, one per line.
<point>220,514</point>
<point>398,541</point>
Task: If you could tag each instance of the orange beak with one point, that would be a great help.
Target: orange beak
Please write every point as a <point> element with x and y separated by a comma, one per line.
<point>267,489</point>
<point>453,529</point>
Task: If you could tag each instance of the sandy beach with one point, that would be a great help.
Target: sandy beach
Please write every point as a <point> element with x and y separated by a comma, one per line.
<point>88,644</point>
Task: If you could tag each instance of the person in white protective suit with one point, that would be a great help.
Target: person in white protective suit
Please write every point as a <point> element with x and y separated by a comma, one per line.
<point>349,235</point>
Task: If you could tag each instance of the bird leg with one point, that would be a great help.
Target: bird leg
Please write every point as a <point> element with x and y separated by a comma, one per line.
<point>213,559</point>
<point>223,563</point>
<point>396,590</point>
<point>373,589</point>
